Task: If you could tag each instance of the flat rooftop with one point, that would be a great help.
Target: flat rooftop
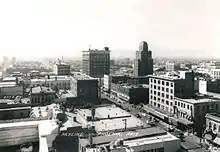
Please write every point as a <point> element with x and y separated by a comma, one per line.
<point>42,89</point>
<point>52,78</point>
<point>9,79</point>
<point>135,86</point>
<point>7,84</point>
<point>199,99</point>
<point>82,76</point>
<point>110,118</point>
<point>104,112</point>
<point>17,108</point>
<point>213,116</point>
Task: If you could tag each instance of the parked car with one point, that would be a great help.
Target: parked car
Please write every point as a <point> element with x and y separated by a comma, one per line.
<point>138,116</point>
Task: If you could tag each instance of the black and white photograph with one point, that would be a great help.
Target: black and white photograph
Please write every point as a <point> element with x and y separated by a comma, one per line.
<point>109,76</point>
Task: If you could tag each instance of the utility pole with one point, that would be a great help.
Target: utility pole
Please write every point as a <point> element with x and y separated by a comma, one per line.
<point>125,121</point>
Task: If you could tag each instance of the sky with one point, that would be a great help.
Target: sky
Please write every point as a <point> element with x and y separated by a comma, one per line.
<point>52,28</point>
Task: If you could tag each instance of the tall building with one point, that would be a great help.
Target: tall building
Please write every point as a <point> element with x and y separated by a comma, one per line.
<point>96,63</point>
<point>143,64</point>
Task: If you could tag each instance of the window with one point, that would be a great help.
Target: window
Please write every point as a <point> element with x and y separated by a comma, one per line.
<point>171,97</point>
<point>171,84</point>
<point>167,83</point>
<point>162,94</point>
<point>167,102</point>
<point>171,90</point>
<point>171,103</point>
<point>175,103</point>
<point>178,103</point>
<point>167,89</point>
<point>162,88</point>
<point>158,93</point>
<point>158,81</point>
<point>158,87</point>
<point>155,92</point>
<point>216,106</point>
<point>214,127</point>
<point>167,96</point>
<point>162,82</point>
<point>188,107</point>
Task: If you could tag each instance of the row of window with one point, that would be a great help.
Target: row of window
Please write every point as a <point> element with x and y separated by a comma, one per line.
<point>159,88</point>
<point>163,101</point>
<point>163,82</point>
<point>214,127</point>
<point>154,150</point>
<point>40,99</point>
<point>183,105</point>
<point>163,95</point>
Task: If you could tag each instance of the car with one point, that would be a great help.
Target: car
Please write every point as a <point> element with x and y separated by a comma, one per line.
<point>138,116</point>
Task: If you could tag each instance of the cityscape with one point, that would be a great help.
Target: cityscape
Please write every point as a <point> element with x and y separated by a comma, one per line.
<point>100,101</point>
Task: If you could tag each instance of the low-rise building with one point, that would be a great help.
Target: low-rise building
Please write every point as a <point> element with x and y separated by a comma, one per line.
<point>54,82</point>
<point>12,112</point>
<point>11,89</point>
<point>42,95</point>
<point>143,140</point>
<point>131,93</point>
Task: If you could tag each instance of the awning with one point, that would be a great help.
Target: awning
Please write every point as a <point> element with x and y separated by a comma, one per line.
<point>217,141</point>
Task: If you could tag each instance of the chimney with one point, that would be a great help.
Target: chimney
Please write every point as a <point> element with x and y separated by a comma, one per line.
<point>48,76</point>
<point>56,78</point>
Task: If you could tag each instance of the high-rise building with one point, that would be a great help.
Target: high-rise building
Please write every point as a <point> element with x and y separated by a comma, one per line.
<point>143,64</point>
<point>96,63</point>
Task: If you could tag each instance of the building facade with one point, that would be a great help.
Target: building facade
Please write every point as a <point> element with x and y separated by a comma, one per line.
<point>215,73</point>
<point>96,63</point>
<point>62,69</point>
<point>42,95</point>
<point>54,82</point>
<point>143,63</point>
<point>84,87</point>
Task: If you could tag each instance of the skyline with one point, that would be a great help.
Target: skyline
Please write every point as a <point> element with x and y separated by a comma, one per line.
<point>65,28</point>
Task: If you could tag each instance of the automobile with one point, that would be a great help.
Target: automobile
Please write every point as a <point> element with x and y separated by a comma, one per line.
<point>171,128</point>
<point>138,116</point>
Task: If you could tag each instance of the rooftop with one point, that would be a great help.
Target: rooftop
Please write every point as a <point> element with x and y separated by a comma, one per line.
<point>16,108</point>
<point>7,84</point>
<point>213,116</point>
<point>82,76</point>
<point>9,79</point>
<point>42,89</point>
<point>52,78</point>
<point>199,99</point>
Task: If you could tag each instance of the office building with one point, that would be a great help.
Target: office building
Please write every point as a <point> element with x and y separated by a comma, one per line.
<point>61,68</point>
<point>143,63</point>
<point>84,87</point>
<point>96,63</point>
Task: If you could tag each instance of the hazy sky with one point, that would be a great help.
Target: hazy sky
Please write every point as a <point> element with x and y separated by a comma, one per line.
<point>36,28</point>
